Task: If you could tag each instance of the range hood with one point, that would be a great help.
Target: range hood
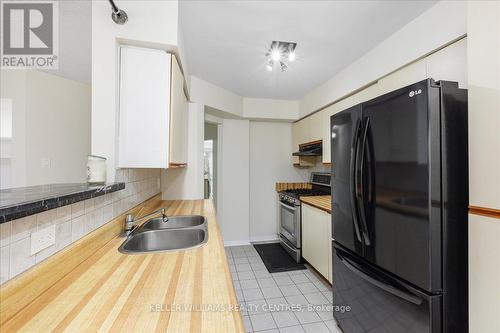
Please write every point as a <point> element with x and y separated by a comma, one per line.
<point>310,149</point>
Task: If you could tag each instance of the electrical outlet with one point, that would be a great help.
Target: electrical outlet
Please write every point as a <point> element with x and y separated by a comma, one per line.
<point>45,162</point>
<point>42,239</point>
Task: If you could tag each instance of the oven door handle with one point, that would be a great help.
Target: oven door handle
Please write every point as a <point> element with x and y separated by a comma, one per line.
<point>288,206</point>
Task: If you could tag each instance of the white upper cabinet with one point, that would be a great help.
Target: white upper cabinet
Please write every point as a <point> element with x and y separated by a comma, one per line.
<point>143,134</point>
<point>316,123</point>
<point>300,134</point>
<point>152,121</point>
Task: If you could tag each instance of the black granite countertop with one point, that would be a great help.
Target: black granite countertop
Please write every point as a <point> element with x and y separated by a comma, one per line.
<point>19,202</point>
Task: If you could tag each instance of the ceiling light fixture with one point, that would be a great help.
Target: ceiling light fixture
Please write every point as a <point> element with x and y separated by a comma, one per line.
<point>283,66</point>
<point>278,53</point>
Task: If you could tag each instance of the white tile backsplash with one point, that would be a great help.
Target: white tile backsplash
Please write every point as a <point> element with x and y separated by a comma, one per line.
<point>63,214</point>
<point>22,228</point>
<point>45,253</point>
<point>63,235</point>
<point>78,228</point>
<point>45,218</point>
<point>20,257</point>
<point>107,212</point>
<point>77,209</point>
<point>5,233</point>
<point>89,205</point>
<point>4,263</point>
<point>72,221</point>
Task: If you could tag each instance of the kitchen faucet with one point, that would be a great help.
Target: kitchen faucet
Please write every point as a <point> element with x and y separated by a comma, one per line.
<point>131,224</point>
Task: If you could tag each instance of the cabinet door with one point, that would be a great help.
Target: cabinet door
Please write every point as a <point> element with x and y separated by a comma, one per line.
<point>315,127</point>
<point>316,239</point>
<point>178,118</point>
<point>325,124</point>
<point>300,135</point>
<point>143,130</point>
<point>303,131</point>
<point>295,141</point>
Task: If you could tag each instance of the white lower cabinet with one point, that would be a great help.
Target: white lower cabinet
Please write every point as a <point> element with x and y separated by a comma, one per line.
<point>316,240</point>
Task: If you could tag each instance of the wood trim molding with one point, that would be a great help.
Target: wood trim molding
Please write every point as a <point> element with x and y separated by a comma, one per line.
<point>484,211</point>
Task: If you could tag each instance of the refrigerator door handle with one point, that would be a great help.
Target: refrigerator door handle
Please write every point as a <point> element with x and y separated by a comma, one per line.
<point>390,289</point>
<point>362,214</point>
<point>354,150</point>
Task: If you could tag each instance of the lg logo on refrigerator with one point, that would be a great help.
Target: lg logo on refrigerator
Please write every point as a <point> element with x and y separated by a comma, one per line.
<point>415,92</point>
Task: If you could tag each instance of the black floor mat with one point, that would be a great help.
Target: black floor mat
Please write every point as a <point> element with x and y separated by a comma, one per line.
<point>276,258</point>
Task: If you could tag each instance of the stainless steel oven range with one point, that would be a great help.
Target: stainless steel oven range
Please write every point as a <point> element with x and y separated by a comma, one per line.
<point>290,212</point>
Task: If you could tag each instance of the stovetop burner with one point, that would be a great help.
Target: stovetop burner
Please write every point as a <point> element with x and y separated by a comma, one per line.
<point>293,196</point>
<point>320,185</point>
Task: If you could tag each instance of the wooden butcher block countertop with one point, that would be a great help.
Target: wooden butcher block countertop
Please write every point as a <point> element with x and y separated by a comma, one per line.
<point>115,292</point>
<point>323,202</point>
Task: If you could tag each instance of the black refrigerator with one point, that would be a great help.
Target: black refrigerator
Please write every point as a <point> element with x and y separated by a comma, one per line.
<point>399,211</point>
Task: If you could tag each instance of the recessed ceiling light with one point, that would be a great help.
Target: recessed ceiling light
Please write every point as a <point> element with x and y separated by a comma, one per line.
<point>279,52</point>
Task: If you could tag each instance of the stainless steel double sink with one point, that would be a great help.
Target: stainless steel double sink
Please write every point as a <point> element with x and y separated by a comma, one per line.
<point>177,233</point>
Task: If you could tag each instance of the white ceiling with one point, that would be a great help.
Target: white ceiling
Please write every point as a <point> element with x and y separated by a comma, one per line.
<point>226,41</point>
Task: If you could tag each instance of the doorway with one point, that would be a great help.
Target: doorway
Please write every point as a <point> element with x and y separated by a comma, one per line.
<point>210,161</point>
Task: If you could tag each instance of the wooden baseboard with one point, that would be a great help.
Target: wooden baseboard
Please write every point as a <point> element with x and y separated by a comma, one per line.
<point>484,211</point>
<point>17,293</point>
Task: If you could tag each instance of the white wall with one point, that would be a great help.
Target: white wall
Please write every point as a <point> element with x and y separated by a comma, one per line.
<point>483,34</point>
<point>209,94</point>
<point>242,107</point>
<point>13,94</point>
<point>438,26</point>
<point>233,193</point>
<point>51,122</point>
<point>187,183</point>
<point>261,108</point>
<point>154,24</point>
<point>270,162</point>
